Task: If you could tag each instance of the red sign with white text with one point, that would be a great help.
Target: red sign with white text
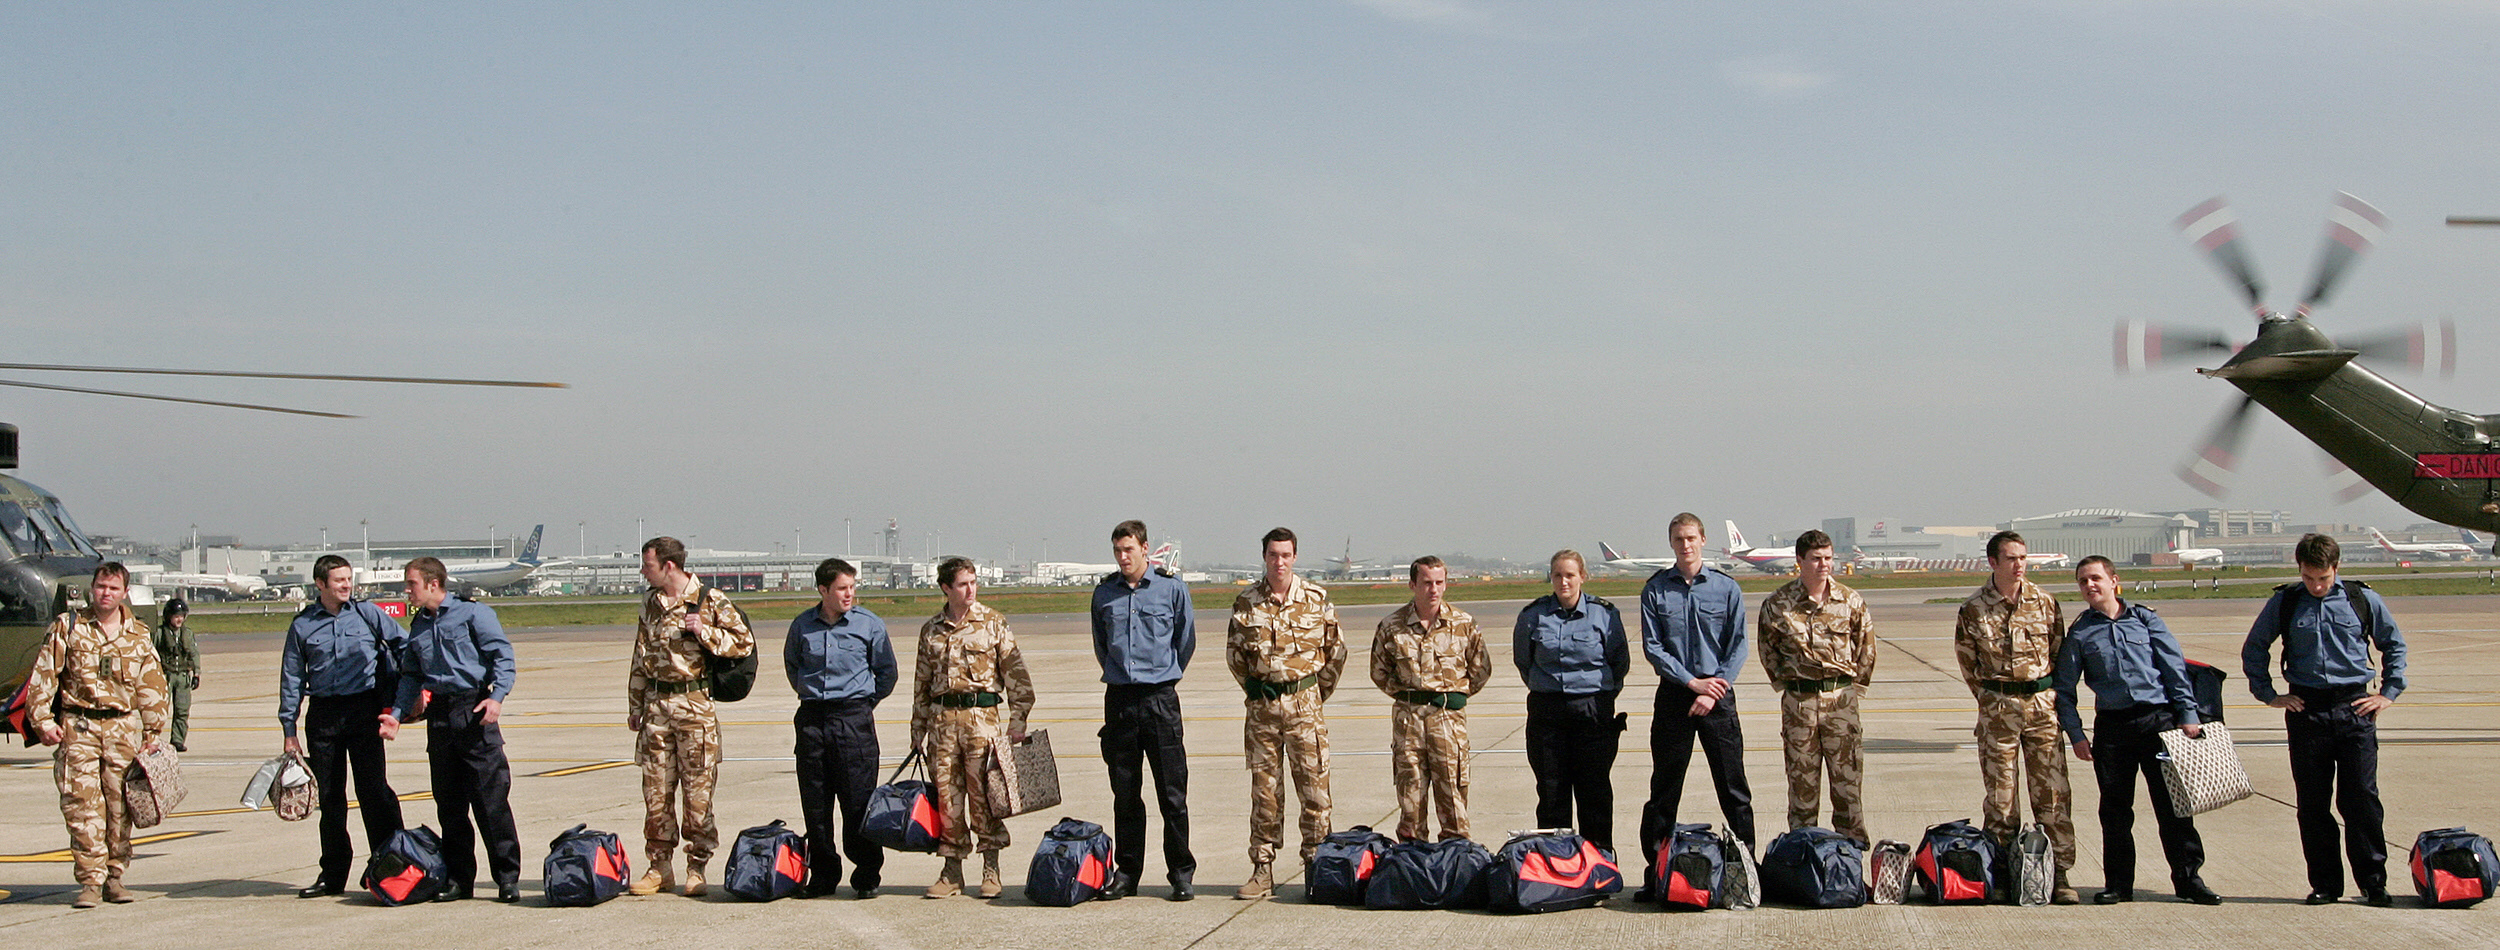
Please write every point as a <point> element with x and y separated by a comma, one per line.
<point>397,609</point>
<point>2456,465</point>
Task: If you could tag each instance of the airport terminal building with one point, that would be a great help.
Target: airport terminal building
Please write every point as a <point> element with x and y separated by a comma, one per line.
<point>2113,533</point>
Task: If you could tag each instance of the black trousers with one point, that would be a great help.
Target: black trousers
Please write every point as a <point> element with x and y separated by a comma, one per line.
<point>837,761</point>
<point>472,775</point>
<point>1572,740</point>
<point>1141,726</point>
<point>2335,762</point>
<point>2125,744</point>
<point>1671,736</point>
<point>343,733</point>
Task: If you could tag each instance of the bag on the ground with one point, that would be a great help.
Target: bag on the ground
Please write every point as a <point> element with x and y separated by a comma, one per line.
<point>1740,880</point>
<point>1449,874</point>
<point>585,868</point>
<point>732,677</point>
<point>766,863</point>
<point>153,787</point>
<point>902,814</point>
<point>2030,872</point>
<point>1888,872</point>
<point>1071,866</point>
<point>1954,863</point>
<point>2453,867</point>
<point>1814,867</point>
<point>1023,776</point>
<point>409,870</point>
<point>298,795</point>
<point>1540,871</point>
<point>1342,865</point>
<point>2203,773</point>
<point>1688,868</point>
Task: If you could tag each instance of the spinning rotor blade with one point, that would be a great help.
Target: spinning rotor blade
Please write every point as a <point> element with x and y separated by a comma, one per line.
<point>195,402</point>
<point>426,380</point>
<point>2210,470</point>
<point>2350,230</point>
<point>2213,227</point>
<point>2430,346</point>
<point>2140,346</point>
<point>2348,485</point>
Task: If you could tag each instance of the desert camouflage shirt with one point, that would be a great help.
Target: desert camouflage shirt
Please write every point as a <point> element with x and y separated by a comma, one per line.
<point>1284,642</point>
<point>2006,640</point>
<point>90,670</point>
<point>1803,638</point>
<point>975,655</point>
<point>663,654</point>
<point>1445,656</point>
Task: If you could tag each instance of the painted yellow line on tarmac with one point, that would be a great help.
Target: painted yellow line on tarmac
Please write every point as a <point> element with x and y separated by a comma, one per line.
<point>63,856</point>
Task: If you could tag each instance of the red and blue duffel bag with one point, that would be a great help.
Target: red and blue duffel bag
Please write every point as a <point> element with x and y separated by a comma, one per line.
<point>1542,871</point>
<point>1071,865</point>
<point>766,863</point>
<point>902,814</point>
<point>1954,862</point>
<point>409,870</point>
<point>585,867</point>
<point>1342,865</point>
<point>2453,867</point>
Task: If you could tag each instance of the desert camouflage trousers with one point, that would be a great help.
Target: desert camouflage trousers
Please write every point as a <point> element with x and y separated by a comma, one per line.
<point>1820,733</point>
<point>679,751</point>
<point>2020,733</point>
<point>89,765</point>
<point>1277,734</point>
<point>959,765</point>
<point>1428,757</point>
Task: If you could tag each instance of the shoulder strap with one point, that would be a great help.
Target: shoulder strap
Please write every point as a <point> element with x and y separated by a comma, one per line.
<point>2361,608</point>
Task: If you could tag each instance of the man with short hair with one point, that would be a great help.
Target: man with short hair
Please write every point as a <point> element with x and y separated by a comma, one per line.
<point>1571,651</point>
<point>840,660</point>
<point>458,673</point>
<point>337,649</point>
<point>668,699</point>
<point>1818,647</point>
<point>1144,635</point>
<point>2140,690</point>
<point>1284,647</point>
<point>1693,631</point>
<point>1429,657</point>
<point>2330,714</point>
<point>2006,639</point>
<point>99,664</point>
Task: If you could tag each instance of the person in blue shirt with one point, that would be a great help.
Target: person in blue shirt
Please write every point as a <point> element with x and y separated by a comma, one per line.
<point>1693,631</point>
<point>2330,714</point>
<point>841,663</point>
<point>2140,690</point>
<point>1571,651</point>
<point>458,671</point>
<point>332,655</point>
<point>1143,637</point>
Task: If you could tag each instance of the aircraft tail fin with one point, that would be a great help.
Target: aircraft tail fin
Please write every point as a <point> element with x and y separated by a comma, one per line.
<point>1736,539</point>
<point>2381,538</point>
<point>529,551</point>
<point>1608,551</point>
<point>1166,556</point>
<point>2469,537</point>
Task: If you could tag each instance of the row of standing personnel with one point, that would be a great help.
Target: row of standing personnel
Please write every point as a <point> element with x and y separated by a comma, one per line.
<point>455,667</point>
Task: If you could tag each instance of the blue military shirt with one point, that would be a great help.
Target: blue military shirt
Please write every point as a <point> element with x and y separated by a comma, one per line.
<point>458,647</point>
<point>1581,649</point>
<point>331,654</point>
<point>2326,648</point>
<point>1143,634</point>
<point>2129,660</point>
<point>850,658</point>
<point>1693,629</point>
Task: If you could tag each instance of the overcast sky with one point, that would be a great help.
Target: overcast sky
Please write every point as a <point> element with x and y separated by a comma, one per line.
<point>1433,275</point>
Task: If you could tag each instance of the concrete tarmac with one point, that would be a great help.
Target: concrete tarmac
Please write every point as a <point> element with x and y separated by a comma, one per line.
<point>215,875</point>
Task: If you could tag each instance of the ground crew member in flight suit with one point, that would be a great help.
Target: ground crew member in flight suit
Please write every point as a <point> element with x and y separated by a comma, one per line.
<point>668,698</point>
<point>1143,638</point>
<point>967,667</point>
<point>1818,647</point>
<point>99,663</point>
<point>1284,648</point>
<point>2007,637</point>
<point>178,653</point>
<point>1429,657</point>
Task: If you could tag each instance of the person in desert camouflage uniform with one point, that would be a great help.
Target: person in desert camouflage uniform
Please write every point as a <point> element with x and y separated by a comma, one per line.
<point>101,664</point>
<point>668,699</point>
<point>1428,656</point>
<point>1284,647</point>
<point>1818,647</point>
<point>2007,639</point>
<point>968,665</point>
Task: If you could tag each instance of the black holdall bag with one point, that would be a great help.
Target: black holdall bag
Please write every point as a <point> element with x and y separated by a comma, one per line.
<point>1540,871</point>
<point>1814,867</point>
<point>732,677</point>
<point>1343,864</point>
<point>409,870</point>
<point>902,814</point>
<point>1449,874</point>
<point>1070,866</point>
<point>766,863</point>
<point>585,868</point>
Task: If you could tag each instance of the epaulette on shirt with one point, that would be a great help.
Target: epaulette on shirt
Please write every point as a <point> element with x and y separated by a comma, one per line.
<point>1600,601</point>
<point>1165,571</point>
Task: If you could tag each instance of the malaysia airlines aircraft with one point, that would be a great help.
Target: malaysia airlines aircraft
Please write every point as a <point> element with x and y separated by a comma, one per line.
<point>2443,550</point>
<point>1766,560</point>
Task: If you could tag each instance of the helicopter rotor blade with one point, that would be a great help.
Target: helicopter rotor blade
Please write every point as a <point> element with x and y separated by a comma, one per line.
<point>2214,228</point>
<point>2352,226</point>
<point>2139,346</point>
<point>2430,346</point>
<point>421,380</point>
<point>196,402</point>
<point>2212,467</point>
<point>2348,485</point>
